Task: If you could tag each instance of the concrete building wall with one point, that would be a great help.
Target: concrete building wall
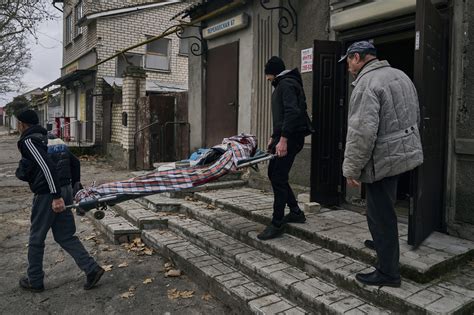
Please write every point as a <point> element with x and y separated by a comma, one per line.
<point>197,81</point>
<point>313,19</point>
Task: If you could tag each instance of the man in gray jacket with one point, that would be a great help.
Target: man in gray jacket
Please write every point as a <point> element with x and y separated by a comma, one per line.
<point>382,142</point>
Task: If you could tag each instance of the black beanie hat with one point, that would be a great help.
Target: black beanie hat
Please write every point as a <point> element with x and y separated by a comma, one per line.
<point>274,66</point>
<point>28,117</point>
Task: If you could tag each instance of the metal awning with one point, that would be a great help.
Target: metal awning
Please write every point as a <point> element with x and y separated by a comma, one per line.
<point>72,76</point>
<point>151,85</point>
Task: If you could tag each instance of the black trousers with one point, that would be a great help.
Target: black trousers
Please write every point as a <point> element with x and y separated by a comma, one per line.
<point>63,227</point>
<point>382,221</point>
<point>278,171</point>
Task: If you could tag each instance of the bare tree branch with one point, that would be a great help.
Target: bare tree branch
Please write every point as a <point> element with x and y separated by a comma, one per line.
<point>19,21</point>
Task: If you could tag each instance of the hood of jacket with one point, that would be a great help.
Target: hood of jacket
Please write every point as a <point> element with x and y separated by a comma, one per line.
<point>294,74</point>
<point>33,129</point>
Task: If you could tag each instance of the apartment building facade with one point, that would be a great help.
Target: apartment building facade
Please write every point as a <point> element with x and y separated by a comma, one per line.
<point>97,29</point>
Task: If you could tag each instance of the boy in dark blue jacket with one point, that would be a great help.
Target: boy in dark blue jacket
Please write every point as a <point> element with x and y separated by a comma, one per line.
<point>48,212</point>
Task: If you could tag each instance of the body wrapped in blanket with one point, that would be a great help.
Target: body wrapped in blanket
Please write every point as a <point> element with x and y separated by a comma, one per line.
<point>238,149</point>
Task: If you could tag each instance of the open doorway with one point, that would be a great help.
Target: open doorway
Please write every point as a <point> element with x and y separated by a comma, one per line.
<point>398,49</point>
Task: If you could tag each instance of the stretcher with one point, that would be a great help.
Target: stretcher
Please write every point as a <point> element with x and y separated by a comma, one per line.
<point>237,152</point>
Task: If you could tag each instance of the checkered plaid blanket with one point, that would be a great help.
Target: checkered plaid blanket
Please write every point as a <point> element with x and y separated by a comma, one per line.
<point>239,147</point>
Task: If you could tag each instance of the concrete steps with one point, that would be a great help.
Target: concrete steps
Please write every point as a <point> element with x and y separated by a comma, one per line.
<point>344,232</point>
<point>316,261</point>
<point>243,294</point>
<point>213,240</point>
<point>311,292</point>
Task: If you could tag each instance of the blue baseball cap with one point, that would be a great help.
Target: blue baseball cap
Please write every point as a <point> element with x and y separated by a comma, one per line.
<point>360,47</point>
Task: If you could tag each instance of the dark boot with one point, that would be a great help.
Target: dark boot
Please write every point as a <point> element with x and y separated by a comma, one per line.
<point>25,284</point>
<point>369,244</point>
<point>270,232</point>
<point>295,217</point>
<point>93,278</point>
<point>378,279</point>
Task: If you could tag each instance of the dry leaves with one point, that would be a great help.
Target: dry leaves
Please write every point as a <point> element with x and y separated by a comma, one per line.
<point>173,273</point>
<point>147,280</point>
<point>176,294</point>
<point>107,267</point>
<point>88,157</point>
<point>138,247</point>
<point>129,294</point>
<point>206,297</point>
<point>189,198</point>
<point>59,259</point>
<point>90,237</point>
<point>123,265</point>
<point>211,207</point>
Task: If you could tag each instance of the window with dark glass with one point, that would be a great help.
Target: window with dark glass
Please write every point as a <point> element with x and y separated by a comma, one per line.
<point>68,31</point>
<point>133,59</point>
<point>78,12</point>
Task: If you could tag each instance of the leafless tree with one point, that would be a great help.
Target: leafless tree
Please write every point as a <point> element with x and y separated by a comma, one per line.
<point>19,20</point>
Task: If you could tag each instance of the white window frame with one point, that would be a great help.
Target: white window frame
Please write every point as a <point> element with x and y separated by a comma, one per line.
<point>149,54</point>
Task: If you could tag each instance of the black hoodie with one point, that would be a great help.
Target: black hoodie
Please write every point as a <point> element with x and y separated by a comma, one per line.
<point>35,166</point>
<point>289,106</point>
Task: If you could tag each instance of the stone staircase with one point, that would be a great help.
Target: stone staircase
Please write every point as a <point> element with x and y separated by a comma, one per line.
<point>211,235</point>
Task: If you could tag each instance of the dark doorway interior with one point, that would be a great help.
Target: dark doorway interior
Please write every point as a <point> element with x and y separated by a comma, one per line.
<point>399,51</point>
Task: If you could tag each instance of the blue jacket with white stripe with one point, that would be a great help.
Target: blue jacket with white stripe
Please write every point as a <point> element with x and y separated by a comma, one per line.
<point>35,166</point>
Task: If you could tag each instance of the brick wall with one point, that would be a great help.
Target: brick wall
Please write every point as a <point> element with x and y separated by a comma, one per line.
<point>119,32</point>
<point>116,123</point>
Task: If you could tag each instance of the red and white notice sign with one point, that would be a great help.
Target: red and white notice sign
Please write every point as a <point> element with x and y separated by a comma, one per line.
<point>307,60</point>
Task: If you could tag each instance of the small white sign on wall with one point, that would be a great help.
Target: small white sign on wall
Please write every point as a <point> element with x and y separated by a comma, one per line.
<point>307,60</point>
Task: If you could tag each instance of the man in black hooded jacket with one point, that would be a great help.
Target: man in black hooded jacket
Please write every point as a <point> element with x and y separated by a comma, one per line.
<point>48,211</point>
<point>290,126</point>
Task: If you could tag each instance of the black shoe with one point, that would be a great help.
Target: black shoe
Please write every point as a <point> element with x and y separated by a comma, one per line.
<point>369,244</point>
<point>93,278</point>
<point>295,217</point>
<point>378,279</point>
<point>270,232</point>
<point>25,284</point>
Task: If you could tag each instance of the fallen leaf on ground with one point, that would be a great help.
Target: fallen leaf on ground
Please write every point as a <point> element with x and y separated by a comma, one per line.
<point>168,265</point>
<point>107,249</point>
<point>90,237</point>
<point>206,297</point>
<point>176,294</point>
<point>107,267</point>
<point>60,259</point>
<point>210,207</point>
<point>148,280</point>
<point>148,251</point>
<point>123,265</point>
<point>173,273</point>
<point>127,295</point>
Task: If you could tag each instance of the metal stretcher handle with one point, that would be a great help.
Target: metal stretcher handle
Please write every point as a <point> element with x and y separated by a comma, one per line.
<point>92,203</point>
<point>255,160</point>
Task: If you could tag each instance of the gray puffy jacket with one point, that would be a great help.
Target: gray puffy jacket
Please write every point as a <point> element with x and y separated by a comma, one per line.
<point>382,137</point>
